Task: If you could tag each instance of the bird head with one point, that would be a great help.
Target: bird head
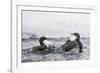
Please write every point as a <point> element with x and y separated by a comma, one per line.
<point>77,36</point>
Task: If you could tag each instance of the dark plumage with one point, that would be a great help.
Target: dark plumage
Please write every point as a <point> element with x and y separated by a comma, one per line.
<point>69,45</point>
<point>42,39</point>
<point>43,48</point>
<point>78,41</point>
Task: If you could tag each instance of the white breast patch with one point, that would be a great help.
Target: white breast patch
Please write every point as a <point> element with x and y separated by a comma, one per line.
<point>47,43</point>
<point>72,37</point>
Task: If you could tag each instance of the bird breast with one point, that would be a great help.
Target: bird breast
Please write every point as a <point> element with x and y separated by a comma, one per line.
<point>72,37</point>
<point>47,43</point>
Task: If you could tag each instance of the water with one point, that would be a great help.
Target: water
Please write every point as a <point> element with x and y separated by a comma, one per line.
<point>64,56</point>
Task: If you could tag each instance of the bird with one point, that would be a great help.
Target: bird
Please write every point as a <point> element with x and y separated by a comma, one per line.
<point>73,42</point>
<point>44,47</point>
